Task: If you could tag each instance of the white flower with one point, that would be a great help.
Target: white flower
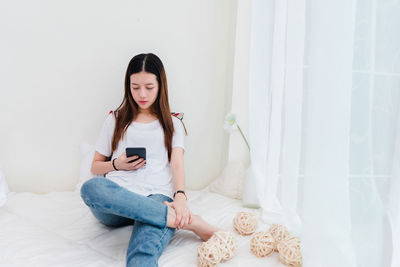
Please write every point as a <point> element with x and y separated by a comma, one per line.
<point>230,123</point>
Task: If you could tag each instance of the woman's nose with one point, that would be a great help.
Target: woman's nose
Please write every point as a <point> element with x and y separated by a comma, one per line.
<point>142,92</point>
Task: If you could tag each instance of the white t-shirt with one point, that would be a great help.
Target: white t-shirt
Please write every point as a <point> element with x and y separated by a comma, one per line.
<point>156,176</point>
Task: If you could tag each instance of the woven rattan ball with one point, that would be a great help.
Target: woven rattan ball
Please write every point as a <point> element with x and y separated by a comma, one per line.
<point>279,232</point>
<point>262,244</point>
<point>245,223</point>
<point>226,242</point>
<point>208,254</point>
<point>290,252</point>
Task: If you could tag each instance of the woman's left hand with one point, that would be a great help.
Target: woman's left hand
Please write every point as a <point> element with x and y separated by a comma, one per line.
<point>183,213</point>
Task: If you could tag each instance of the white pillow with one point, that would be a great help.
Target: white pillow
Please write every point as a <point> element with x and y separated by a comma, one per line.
<point>3,189</point>
<point>230,182</point>
<point>87,155</point>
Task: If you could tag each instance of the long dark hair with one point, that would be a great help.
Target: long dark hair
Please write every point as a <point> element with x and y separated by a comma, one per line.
<point>127,112</point>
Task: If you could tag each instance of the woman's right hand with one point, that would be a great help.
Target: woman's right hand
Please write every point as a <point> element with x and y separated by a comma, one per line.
<point>122,163</point>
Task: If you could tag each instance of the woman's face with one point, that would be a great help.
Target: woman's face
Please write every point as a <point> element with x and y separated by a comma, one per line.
<point>144,89</point>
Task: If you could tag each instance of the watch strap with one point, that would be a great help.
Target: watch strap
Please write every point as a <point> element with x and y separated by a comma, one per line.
<point>182,192</point>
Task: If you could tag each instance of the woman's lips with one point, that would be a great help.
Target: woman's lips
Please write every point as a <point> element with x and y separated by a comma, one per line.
<point>142,102</point>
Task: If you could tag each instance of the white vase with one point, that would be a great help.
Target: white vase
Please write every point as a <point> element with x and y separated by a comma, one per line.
<point>250,192</point>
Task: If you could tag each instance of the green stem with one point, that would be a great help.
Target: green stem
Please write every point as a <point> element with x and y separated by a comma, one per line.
<point>240,130</point>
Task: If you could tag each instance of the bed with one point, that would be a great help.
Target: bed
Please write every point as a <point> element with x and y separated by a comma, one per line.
<point>58,229</point>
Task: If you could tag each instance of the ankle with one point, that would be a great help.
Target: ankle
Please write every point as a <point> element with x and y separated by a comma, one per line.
<point>171,218</point>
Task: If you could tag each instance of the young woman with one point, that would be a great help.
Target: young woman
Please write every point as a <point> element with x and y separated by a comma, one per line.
<point>150,194</point>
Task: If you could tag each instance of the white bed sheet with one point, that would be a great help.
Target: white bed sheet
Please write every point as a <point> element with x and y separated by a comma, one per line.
<point>58,229</point>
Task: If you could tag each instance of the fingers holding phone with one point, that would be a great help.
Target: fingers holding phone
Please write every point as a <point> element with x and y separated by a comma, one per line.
<point>136,163</point>
<point>129,163</point>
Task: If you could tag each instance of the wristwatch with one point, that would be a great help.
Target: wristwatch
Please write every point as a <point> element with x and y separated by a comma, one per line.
<point>180,191</point>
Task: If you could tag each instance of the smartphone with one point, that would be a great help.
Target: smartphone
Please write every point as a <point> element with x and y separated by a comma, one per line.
<point>135,151</point>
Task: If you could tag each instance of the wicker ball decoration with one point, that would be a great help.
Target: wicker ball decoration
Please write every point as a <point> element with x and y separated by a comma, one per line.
<point>245,223</point>
<point>279,232</point>
<point>208,254</point>
<point>262,244</point>
<point>226,242</point>
<point>290,252</point>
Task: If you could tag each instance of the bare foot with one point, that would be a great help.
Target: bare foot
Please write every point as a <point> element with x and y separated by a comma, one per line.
<point>198,225</point>
<point>201,228</point>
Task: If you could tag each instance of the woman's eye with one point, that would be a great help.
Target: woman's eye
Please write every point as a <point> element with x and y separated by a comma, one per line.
<point>150,87</point>
<point>135,88</point>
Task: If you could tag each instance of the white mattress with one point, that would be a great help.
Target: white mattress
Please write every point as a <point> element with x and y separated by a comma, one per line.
<point>58,229</point>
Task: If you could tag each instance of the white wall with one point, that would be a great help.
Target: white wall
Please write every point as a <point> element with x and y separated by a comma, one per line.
<point>62,69</point>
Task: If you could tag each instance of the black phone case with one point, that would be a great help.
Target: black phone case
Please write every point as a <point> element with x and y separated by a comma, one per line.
<point>138,151</point>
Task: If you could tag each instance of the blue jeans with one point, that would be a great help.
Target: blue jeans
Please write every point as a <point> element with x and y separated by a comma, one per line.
<point>116,206</point>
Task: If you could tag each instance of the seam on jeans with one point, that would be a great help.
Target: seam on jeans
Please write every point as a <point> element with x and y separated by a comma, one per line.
<point>164,232</point>
<point>161,238</point>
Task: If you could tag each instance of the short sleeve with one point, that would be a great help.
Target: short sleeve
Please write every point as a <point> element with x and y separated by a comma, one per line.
<point>178,139</point>
<point>103,144</point>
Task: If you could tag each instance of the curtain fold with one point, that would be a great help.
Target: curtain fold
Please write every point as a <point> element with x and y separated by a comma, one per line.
<point>254,183</point>
<point>292,113</point>
<point>275,95</point>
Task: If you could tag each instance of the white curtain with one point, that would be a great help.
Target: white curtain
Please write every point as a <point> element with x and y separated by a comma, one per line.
<point>324,97</point>
<point>275,102</point>
<point>325,208</point>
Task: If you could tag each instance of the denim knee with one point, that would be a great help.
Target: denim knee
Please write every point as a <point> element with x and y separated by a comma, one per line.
<point>90,188</point>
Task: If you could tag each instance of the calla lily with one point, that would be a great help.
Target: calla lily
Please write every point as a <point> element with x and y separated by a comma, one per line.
<point>231,125</point>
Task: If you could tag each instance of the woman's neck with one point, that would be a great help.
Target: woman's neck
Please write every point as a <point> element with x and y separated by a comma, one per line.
<point>146,117</point>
